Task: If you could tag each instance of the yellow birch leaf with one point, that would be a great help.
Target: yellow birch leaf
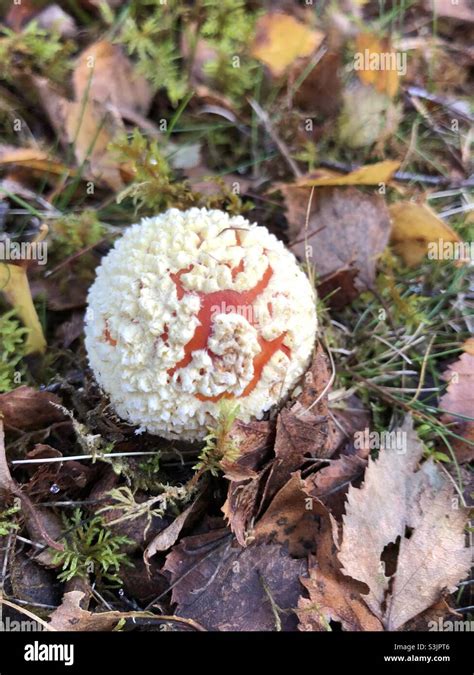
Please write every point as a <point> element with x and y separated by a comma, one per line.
<point>377,63</point>
<point>414,228</point>
<point>280,39</point>
<point>372,174</point>
<point>14,284</point>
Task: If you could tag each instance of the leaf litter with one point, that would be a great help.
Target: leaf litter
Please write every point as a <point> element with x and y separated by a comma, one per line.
<point>294,524</point>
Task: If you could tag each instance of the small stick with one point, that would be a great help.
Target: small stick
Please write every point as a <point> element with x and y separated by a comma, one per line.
<point>49,460</point>
<point>281,145</point>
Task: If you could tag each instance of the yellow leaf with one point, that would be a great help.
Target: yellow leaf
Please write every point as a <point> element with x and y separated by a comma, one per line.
<point>280,39</point>
<point>33,159</point>
<point>414,228</point>
<point>377,63</point>
<point>468,346</point>
<point>372,174</point>
<point>15,286</point>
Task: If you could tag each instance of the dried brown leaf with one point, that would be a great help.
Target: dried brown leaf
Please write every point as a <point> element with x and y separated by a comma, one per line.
<point>235,589</point>
<point>26,408</point>
<point>395,499</point>
<point>346,233</point>
<point>106,75</point>
<point>332,596</point>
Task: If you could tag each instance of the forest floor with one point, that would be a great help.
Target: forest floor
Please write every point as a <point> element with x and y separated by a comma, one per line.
<point>346,129</point>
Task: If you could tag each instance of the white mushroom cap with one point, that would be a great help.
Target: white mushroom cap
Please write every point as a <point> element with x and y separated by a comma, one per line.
<point>191,307</point>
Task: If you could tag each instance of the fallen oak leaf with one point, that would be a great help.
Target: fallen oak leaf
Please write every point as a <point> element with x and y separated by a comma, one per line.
<point>394,499</point>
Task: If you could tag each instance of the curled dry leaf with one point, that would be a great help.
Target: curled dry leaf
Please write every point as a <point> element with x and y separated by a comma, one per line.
<point>165,539</point>
<point>33,159</point>
<point>416,227</point>
<point>333,597</point>
<point>27,409</point>
<point>399,502</point>
<point>40,523</point>
<point>281,39</point>
<point>254,440</point>
<point>321,89</point>
<point>347,231</point>
<point>304,431</point>
<point>291,520</point>
<point>330,483</point>
<point>70,616</point>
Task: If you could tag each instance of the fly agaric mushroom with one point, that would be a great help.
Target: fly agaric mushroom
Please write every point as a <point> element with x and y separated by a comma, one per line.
<point>192,307</point>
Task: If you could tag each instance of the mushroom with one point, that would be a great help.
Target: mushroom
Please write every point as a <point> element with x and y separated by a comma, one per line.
<point>192,307</point>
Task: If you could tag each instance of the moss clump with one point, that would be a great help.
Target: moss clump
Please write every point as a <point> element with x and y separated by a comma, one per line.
<point>12,350</point>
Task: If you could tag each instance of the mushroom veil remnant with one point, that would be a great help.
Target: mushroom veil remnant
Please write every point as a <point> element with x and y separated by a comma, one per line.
<point>192,307</point>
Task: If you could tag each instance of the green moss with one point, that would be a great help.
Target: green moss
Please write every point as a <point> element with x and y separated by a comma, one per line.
<point>7,524</point>
<point>75,232</point>
<point>151,39</point>
<point>219,444</point>
<point>228,28</point>
<point>154,189</point>
<point>12,341</point>
<point>90,547</point>
<point>37,50</point>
